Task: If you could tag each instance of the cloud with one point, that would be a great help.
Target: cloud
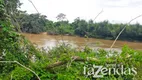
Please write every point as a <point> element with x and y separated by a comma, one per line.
<point>114,10</point>
<point>135,3</point>
<point>119,3</point>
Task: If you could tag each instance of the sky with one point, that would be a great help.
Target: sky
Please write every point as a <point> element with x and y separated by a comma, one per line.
<point>115,11</point>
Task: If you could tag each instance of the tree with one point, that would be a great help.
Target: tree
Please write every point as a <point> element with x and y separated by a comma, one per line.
<point>11,7</point>
<point>61,17</point>
<point>82,28</point>
<point>33,23</point>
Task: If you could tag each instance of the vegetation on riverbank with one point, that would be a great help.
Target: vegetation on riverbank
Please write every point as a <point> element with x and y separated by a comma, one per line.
<point>60,63</point>
<point>36,23</point>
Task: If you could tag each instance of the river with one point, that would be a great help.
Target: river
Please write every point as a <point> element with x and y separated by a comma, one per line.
<point>49,41</point>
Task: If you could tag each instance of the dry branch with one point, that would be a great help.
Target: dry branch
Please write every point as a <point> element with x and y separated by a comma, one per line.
<point>59,63</point>
<point>98,14</point>
<point>22,66</point>
<point>78,59</point>
<point>123,30</point>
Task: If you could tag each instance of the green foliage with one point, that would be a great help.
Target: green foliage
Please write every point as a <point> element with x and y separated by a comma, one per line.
<point>35,23</point>
<point>11,9</point>
<point>13,47</point>
<point>24,74</point>
<point>74,70</point>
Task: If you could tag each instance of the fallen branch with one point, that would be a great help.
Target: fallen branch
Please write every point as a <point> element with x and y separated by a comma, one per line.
<point>78,59</point>
<point>59,63</point>
<point>75,58</point>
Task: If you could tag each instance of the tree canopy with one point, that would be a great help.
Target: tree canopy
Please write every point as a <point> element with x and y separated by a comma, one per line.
<point>36,23</point>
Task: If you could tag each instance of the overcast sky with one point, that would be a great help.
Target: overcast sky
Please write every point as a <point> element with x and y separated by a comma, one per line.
<point>120,11</point>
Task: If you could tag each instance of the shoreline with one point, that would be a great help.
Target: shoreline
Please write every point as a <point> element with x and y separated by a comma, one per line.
<point>119,39</point>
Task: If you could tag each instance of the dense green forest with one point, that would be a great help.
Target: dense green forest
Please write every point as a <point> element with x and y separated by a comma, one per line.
<point>36,23</point>
<point>20,60</point>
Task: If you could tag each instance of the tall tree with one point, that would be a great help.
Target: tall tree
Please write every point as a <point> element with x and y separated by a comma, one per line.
<point>11,7</point>
<point>61,17</point>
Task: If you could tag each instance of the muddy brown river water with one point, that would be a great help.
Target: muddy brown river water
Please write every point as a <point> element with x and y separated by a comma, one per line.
<point>49,41</point>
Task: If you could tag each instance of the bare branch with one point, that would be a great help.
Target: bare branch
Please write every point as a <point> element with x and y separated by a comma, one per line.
<point>22,66</point>
<point>98,14</point>
<point>34,6</point>
<point>94,20</point>
<point>123,30</point>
